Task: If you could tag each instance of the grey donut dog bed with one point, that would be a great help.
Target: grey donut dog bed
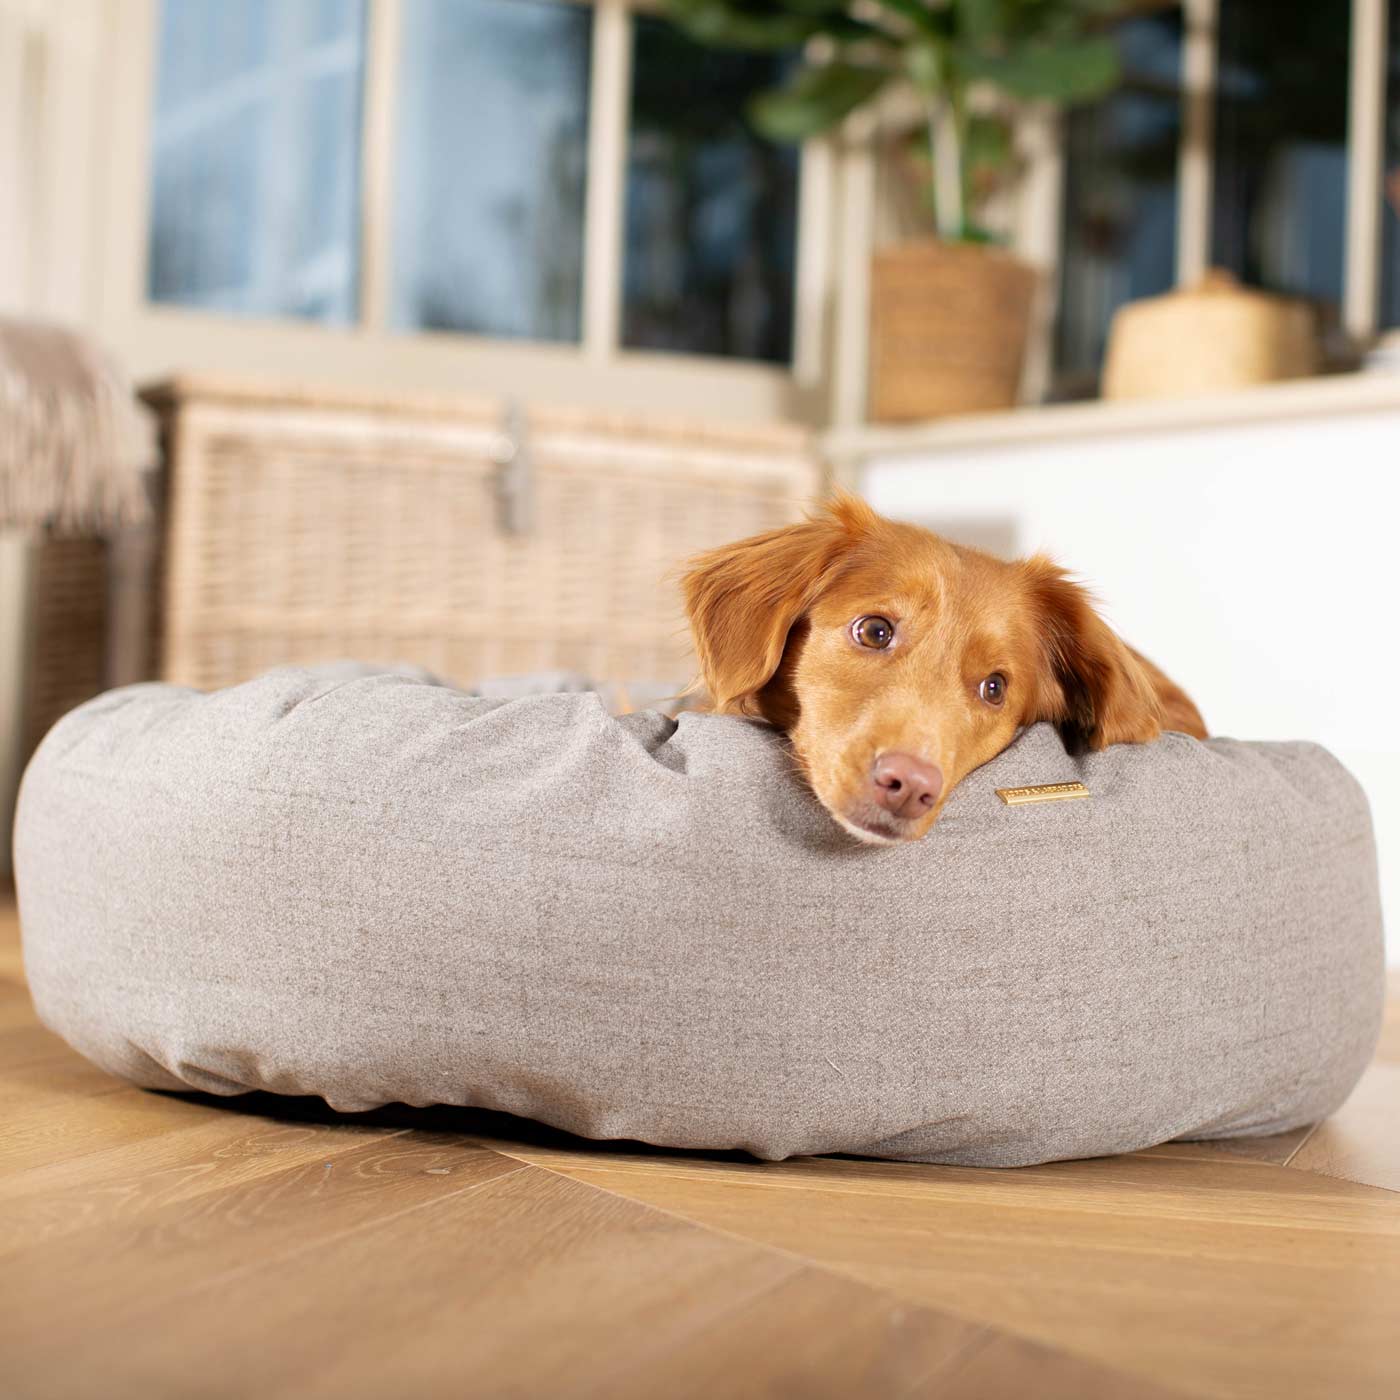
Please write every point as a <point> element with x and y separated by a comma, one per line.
<point>373,888</point>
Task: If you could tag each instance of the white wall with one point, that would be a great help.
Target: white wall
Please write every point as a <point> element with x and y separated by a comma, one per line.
<point>1258,564</point>
<point>52,73</point>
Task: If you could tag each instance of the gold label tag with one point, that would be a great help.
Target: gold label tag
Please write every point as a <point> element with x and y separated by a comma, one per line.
<point>1046,792</point>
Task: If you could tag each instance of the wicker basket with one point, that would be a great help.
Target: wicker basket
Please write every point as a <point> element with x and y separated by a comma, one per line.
<point>1207,339</point>
<point>948,329</point>
<point>83,626</point>
<point>68,654</point>
<point>307,525</point>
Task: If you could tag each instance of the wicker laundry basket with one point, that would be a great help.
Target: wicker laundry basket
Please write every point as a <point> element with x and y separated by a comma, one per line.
<point>305,525</point>
<point>81,635</point>
<point>67,604</point>
<point>68,651</point>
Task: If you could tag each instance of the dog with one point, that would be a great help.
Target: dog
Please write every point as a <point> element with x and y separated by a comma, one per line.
<point>897,662</point>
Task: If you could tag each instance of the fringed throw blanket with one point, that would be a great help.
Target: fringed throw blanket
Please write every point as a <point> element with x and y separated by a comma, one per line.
<point>75,444</point>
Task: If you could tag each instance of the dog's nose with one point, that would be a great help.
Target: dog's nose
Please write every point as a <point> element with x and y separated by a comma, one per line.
<point>905,786</point>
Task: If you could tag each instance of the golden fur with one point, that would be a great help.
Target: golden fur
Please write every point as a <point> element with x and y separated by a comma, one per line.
<point>773,616</point>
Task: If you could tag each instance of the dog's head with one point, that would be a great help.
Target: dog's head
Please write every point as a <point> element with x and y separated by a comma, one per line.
<point>898,662</point>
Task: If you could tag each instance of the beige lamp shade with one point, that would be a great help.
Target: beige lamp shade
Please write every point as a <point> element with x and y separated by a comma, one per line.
<point>1207,339</point>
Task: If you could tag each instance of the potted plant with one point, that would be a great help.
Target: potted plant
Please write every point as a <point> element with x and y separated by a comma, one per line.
<point>949,315</point>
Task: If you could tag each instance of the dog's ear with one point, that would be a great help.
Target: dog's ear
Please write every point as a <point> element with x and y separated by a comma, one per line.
<point>1093,688</point>
<point>743,599</point>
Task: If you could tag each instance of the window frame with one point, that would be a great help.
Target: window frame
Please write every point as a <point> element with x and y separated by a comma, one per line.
<point>1037,231</point>
<point>1366,94</point>
<point>838,226</point>
<point>1366,97</point>
<point>160,338</point>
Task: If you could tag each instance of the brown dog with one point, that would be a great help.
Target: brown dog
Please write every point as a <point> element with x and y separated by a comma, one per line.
<point>898,662</point>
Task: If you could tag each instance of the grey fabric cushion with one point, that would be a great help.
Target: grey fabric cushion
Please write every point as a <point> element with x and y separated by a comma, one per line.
<point>374,889</point>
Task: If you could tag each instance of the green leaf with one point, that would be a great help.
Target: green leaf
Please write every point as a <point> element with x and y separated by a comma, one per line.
<point>765,24</point>
<point>918,13</point>
<point>926,64</point>
<point>990,144</point>
<point>814,100</point>
<point>741,26</point>
<point>1068,70</point>
<point>973,232</point>
<point>982,21</point>
<point>1107,9</point>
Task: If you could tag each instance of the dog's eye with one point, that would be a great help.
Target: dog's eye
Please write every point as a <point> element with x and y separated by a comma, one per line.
<point>873,632</point>
<point>993,689</point>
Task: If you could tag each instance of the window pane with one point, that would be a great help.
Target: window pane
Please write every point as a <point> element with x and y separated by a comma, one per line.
<point>256,157</point>
<point>711,207</point>
<point>1280,144</point>
<point>1119,240</point>
<point>490,165</point>
<point>1390,190</point>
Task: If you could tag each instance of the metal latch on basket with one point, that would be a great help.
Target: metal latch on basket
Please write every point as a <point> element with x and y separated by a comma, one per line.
<point>514,477</point>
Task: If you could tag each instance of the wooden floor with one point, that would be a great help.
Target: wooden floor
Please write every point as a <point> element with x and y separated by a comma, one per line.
<point>153,1246</point>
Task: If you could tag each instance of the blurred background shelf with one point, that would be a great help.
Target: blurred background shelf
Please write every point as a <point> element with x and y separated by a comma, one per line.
<point>1332,395</point>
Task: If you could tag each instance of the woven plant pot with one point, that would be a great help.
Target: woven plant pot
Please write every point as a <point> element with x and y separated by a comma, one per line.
<point>948,329</point>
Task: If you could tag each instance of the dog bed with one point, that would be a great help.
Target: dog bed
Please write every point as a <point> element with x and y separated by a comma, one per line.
<point>373,888</point>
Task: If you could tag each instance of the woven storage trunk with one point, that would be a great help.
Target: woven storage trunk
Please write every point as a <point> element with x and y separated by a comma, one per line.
<point>305,526</point>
